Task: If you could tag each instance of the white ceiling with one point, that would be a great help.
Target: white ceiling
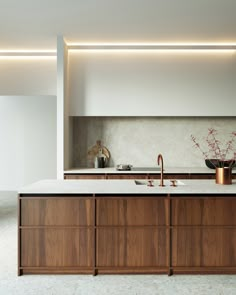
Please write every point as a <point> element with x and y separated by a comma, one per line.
<point>35,24</point>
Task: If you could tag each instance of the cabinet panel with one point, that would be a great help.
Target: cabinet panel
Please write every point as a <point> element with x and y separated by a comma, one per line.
<point>186,247</point>
<point>202,176</point>
<point>169,176</point>
<point>204,247</point>
<point>93,81</point>
<point>127,176</point>
<point>219,212</point>
<point>84,176</point>
<point>142,176</point>
<point>129,247</point>
<point>138,211</point>
<point>186,211</point>
<point>211,211</point>
<point>56,247</point>
<point>56,211</point>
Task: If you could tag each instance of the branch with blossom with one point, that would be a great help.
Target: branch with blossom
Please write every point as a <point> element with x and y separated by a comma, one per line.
<point>215,149</point>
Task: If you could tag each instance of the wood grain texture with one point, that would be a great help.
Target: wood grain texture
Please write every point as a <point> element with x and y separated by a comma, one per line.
<point>84,176</point>
<point>127,176</point>
<point>139,211</point>
<point>202,176</point>
<point>133,270</point>
<point>186,211</point>
<point>56,247</point>
<point>186,247</point>
<point>49,211</point>
<point>204,247</point>
<point>143,176</point>
<point>169,176</point>
<point>127,234</point>
<point>56,270</point>
<point>209,211</point>
<point>139,247</point>
<point>219,212</point>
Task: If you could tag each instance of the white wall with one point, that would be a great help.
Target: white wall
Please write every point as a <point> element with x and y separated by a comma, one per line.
<point>28,76</point>
<point>145,83</point>
<point>27,140</point>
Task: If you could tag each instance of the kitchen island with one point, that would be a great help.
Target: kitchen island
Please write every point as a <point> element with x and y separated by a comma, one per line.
<point>123,226</point>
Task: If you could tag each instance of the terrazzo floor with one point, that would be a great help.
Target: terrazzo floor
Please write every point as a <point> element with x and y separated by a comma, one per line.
<point>10,284</point>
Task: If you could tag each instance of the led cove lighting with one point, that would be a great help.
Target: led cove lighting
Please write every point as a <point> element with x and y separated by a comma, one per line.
<point>29,51</point>
<point>152,44</point>
<point>27,54</point>
<point>177,47</point>
<point>20,57</point>
<point>156,51</point>
<point>157,47</point>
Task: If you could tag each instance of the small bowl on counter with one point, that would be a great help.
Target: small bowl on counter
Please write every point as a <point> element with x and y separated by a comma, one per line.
<point>123,167</point>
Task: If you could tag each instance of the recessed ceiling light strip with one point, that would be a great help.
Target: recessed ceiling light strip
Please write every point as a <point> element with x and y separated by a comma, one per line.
<point>28,53</point>
<point>152,47</point>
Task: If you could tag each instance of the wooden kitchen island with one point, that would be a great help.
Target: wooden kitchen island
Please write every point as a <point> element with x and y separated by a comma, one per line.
<point>117,226</point>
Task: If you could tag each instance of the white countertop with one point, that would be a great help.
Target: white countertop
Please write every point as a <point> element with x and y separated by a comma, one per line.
<point>167,170</point>
<point>125,187</point>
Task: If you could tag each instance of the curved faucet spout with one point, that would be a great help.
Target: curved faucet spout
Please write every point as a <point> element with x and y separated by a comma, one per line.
<point>160,159</point>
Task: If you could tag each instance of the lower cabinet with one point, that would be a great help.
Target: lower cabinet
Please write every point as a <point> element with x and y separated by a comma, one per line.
<point>204,247</point>
<point>52,247</point>
<point>126,234</point>
<point>131,247</point>
<point>56,234</point>
<point>128,212</point>
<point>204,211</point>
<point>131,234</point>
<point>204,233</point>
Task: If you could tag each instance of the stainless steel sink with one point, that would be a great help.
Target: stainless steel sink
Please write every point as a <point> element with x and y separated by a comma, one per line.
<point>151,182</point>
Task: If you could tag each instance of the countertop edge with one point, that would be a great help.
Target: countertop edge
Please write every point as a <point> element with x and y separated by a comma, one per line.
<point>167,170</point>
<point>126,187</point>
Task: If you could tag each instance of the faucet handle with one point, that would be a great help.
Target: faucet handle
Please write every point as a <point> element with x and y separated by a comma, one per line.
<point>173,182</point>
<point>150,182</point>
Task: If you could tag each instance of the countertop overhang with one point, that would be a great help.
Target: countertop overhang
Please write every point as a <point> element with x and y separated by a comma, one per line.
<point>125,187</point>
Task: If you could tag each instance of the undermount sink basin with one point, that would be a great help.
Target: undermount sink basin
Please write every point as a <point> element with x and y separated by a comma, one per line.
<point>150,182</point>
<point>158,169</point>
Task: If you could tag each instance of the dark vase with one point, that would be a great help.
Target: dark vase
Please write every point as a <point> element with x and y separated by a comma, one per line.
<point>215,163</point>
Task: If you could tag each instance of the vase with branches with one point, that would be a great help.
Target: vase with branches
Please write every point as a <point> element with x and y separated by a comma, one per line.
<point>219,154</point>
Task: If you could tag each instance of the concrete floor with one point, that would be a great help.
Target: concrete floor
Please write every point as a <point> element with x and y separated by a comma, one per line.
<point>10,284</point>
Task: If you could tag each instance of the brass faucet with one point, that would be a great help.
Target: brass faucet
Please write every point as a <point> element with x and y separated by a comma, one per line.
<point>160,158</point>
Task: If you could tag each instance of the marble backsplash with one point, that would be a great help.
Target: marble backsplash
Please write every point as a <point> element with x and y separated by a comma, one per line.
<point>138,140</point>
